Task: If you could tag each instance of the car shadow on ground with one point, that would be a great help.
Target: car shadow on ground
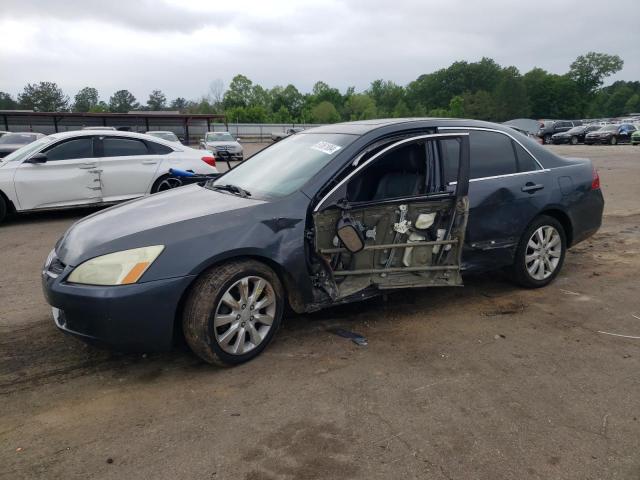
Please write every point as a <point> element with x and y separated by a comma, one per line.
<point>39,354</point>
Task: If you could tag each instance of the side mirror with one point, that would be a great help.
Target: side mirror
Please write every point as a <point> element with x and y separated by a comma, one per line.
<point>37,158</point>
<point>350,236</point>
<point>238,139</point>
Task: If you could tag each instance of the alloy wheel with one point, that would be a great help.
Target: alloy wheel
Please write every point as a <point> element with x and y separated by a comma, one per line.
<point>244,315</point>
<point>543,252</point>
<point>169,183</point>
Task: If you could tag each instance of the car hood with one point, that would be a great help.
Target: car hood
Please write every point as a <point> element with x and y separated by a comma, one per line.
<point>11,147</point>
<point>224,144</point>
<point>157,219</point>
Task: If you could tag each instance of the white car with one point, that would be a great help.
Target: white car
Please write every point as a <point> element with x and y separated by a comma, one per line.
<point>90,168</point>
<point>165,135</point>
<point>219,142</point>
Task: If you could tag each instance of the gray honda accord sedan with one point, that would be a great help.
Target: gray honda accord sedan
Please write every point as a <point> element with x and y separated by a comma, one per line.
<point>330,215</point>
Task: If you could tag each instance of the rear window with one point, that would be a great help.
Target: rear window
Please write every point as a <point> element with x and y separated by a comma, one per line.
<point>491,154</point>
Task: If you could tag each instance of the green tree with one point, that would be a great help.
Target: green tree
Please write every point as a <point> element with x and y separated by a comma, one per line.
<point>43,97</point>
<point>479,105</point>
<point>322,92</point>
<point>282,115</point>
<point>400,110</point>
<point>617,102</point>
<point>633,104</point>
<point>239,94</point>
<point>179,104</point>
<point>100,107</point>
<point>325,112</point>
<point>590,70</point>
<point>157,101</point>
<point>360,107</point>
<point>7,102</point>
<point>85,99</point>
<point>456,107</point>
<point>510,96</point>
<point>386,95</point>
<point>123,101</point>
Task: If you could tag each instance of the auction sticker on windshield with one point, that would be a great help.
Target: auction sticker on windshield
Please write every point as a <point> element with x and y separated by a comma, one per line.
<point>326,147</point>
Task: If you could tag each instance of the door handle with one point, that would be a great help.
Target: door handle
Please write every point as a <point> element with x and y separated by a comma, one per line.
<point>87,166</point>
<point>531,187</point>
<point>149,162</point>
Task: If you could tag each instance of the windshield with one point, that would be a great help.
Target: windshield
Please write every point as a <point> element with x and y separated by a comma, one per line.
<point>219,137</point>
<point>24,152</point>
<point>17,138</point>
<point>576,130</point>
<point>609,128</point>
<point>165,136</point>
<point>287,165</point>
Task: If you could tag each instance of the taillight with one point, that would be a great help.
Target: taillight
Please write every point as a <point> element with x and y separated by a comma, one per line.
<point>595,180</point>
<point>209,160</point>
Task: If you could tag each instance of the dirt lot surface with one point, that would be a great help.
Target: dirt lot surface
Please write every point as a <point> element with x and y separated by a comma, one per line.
<point>487,381</point>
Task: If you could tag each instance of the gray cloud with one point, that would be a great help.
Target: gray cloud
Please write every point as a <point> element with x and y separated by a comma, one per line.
<point>180,49</point>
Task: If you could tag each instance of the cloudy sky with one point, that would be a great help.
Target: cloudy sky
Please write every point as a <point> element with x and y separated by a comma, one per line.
<point>180,46</point>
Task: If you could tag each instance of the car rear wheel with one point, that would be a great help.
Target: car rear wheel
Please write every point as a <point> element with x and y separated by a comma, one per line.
<point>233,312</point>
<point>540,254</point>
<point>613,140</point>
<point>165,182</point>
<point>547,139</point>
<point>574,140</point>
<point>3,209</point>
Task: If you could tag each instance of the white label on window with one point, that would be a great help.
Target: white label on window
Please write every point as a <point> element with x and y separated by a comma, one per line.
<point>326,147</point>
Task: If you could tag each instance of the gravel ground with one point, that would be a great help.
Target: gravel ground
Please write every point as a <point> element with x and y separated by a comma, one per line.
<point>487,381</point>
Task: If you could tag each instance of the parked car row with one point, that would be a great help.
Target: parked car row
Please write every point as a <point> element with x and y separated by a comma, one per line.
<point>575,132</point>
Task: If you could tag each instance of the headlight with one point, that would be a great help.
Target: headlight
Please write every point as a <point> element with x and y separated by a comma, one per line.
<point>119,268</point>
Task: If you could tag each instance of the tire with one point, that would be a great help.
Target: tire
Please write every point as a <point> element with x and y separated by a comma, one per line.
<point>165,182</point>
<point>613,141</point>
<point>574,140</point>
<point>522,270</point>
<point>234,339</point>
<point>547,139</point>
<point>3,208</point>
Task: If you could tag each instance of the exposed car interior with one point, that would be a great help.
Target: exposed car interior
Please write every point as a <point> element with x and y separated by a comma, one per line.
<point>398,174</point>
<point>389,234</point>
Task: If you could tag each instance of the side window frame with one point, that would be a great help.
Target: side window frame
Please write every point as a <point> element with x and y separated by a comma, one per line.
<point>92,138</point>
<point>540,167</point>
<point>122,137</point>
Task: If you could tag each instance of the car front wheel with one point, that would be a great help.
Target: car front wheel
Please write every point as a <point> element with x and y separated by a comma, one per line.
<point>540,253</point>
<point>233,312</point>
<point>613,140</point>
<point>574,140</point>
<point>547,139</point>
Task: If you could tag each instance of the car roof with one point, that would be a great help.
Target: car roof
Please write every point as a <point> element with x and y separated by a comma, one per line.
<point>361,127</point>
<point>159,131</point>
<point>109,133</point>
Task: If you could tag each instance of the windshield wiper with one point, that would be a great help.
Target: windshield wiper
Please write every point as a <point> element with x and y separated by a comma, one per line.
<point>233,189</point>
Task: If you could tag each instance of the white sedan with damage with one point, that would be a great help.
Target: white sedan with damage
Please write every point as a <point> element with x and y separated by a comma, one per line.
<point>86,167</point>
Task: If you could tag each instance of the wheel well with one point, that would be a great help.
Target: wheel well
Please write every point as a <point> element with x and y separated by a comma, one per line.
<point>11,208</point>
<point>564,220</point>
<point>294,300</point>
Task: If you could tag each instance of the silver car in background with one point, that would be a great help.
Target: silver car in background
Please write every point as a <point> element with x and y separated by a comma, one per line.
<point>164,135</point>
<point>222,144</point>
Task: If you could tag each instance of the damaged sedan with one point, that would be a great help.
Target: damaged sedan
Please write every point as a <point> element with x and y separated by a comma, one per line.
<point>334,214</point>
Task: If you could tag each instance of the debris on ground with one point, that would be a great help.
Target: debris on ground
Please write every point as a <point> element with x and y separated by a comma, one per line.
<point>354,337</point>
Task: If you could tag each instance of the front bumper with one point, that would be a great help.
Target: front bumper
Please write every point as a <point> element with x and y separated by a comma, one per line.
<point>594,140</point>
<point>137,317</point>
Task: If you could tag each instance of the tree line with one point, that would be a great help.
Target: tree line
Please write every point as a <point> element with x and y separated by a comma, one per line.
<point>482,90</point>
